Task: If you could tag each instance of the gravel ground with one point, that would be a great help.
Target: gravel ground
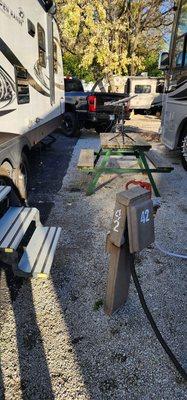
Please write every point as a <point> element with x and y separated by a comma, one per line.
<point>56,341</point>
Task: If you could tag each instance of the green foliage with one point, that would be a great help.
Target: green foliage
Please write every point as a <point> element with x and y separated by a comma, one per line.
<point>151,65</point>
<point>72,66</point>
<point>100,37</point>
<point>98,304</point>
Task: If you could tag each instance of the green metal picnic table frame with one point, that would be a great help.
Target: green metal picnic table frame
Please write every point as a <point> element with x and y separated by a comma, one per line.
<point>133,149</point>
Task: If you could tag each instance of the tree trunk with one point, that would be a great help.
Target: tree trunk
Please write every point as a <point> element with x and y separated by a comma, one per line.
<point>110,77</point>
<point>129,49</point>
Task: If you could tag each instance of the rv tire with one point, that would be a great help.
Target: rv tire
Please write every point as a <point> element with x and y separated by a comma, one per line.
<point>8,177</point>
<point>25,171</point>
<point>184,150</point>
<point>70,125</point>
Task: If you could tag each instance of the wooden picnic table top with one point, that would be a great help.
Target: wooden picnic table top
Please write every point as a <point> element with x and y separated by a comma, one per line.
<point>111,140</point>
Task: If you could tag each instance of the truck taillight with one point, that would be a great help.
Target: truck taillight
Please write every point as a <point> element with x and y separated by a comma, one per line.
<point>92,103</point>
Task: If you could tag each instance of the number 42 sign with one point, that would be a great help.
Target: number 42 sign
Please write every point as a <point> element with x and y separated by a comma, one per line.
<point>144,218</point>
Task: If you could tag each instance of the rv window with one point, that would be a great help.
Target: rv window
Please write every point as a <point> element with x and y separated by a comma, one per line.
<point>31,28</point>
<point>142,89</point>
<point>185,53</point>
<point>180,53</point>
<point>41,46</point>
<point>182,22</point>
<point>22,85</point>
<point>55,57</point>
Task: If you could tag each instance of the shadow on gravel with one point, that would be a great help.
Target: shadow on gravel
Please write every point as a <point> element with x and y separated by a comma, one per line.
<point>2,388</point>
<point>48,166</point>
<point>33,367</point>
<point>49,163</point>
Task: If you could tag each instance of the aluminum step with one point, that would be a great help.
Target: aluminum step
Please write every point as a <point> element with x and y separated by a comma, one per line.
<point>4,191</point>
<point>38,256</point>
<point>14,224</point>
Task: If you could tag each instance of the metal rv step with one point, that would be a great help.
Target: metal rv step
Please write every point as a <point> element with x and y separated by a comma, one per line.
<point>38,256</point>
<point>14,224</point>
<point>4,191</point>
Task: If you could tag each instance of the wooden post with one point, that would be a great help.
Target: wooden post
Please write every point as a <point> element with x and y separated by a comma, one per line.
<point>118,276</point>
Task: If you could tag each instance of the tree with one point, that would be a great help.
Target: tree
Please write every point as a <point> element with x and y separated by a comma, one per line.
<point>72,67</point>
<point>151,65</point>
<point>112,36</point>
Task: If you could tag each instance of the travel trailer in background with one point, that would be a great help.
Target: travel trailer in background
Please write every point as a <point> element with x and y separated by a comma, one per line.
<point>174,115</point>
<point>146,91</point>
<point>31,82</point>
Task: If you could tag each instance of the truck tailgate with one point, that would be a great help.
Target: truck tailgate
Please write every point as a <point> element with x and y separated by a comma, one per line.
<point>103,98</point>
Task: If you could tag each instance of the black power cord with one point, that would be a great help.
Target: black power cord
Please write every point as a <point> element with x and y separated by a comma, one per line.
<point>160,338</point>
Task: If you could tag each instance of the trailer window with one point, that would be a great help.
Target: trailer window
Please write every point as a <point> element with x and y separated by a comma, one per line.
<point>22,85</point>
<point>142,89</point>
<point>31,28</point>
<point>41,46</point>
<point>73,85</point>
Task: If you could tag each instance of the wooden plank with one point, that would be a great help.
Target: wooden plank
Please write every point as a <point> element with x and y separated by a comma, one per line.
<point>86,159</point>
<point>110,140</point>
<point>157,160</point>
<point>118,278</point>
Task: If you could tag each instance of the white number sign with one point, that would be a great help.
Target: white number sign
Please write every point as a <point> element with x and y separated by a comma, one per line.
<point>144,216</point>
<point>117,220</point>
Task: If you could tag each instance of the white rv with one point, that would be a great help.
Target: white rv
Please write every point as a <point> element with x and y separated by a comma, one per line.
<point>31,81</point>
<point>146,92</point>
<point>174,115</point>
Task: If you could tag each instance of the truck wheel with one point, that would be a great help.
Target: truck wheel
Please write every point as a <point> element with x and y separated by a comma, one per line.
<point>184,150</point>
<point>70,124</point>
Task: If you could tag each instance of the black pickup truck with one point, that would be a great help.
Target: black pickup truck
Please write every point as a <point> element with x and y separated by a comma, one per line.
<point>90,109</point>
